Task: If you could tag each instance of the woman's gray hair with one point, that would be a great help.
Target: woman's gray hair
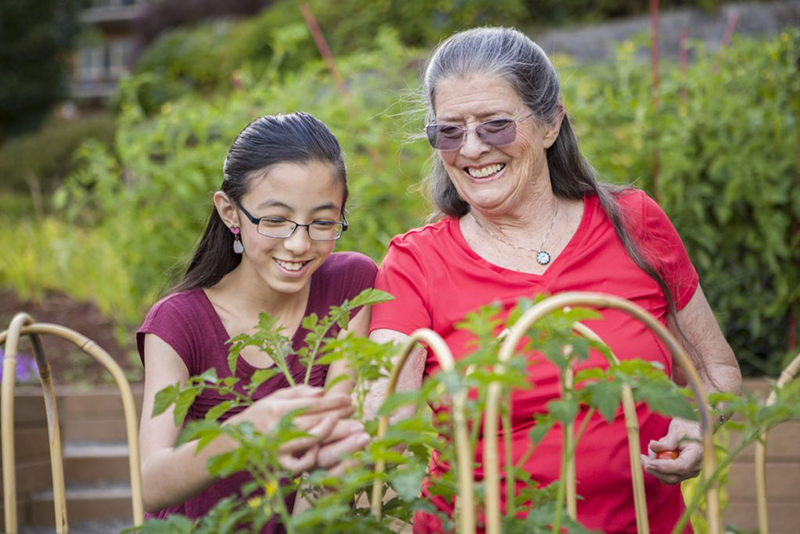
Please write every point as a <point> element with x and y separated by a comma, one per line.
<point>512,56</point>
<point>509,54</point>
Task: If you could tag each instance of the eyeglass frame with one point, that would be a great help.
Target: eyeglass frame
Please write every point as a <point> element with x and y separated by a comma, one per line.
<point>465,131</point>
<point>257,222</point>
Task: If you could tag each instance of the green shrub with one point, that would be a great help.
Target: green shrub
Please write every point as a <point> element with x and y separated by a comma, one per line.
<point>728,173</point>
<point>46,157</point>
<point>729,167</point>
<point>153,192</point>
<point>204,57</point>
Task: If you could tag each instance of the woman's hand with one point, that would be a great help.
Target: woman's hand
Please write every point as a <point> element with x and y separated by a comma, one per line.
<point>682,436</point>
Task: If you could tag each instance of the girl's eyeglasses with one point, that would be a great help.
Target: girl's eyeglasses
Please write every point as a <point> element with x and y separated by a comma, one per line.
<point>280,228</point>
<point>496,132</point>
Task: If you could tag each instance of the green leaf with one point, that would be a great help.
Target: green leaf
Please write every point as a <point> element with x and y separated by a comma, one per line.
<point>605,396</point>
<point>182,405</point>
<point>664,399</point>
<point>310,321</point>
<point>407,482</point>
<point>166,398</point>
<point>262,375</point>
<point>217,411</point>
<point>210,375</point>
<point>563,410</point>
<point>368,297</point>
<point>540,429</point>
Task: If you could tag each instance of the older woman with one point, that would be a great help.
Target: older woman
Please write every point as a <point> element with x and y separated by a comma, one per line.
<point>523,214</point>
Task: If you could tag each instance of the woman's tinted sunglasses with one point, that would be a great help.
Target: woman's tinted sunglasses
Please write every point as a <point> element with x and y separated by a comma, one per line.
<point>496,132</point>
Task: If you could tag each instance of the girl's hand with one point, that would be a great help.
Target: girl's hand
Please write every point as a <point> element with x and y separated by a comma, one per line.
<point>347,437</point>
<point>320,416</point>
<point>683,436</point>
<point>265,413</point>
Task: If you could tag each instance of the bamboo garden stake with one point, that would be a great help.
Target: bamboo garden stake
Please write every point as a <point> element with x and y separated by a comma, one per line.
<point>22,324</point>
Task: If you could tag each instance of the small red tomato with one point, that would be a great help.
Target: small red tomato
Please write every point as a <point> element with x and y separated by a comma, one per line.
<point>667,455</point>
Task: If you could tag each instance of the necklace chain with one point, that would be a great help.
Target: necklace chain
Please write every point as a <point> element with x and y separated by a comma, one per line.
<point>542,256</point>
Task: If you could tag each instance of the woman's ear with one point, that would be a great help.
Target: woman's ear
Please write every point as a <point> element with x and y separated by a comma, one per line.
<point>551,133</point>
<point>226,209</point>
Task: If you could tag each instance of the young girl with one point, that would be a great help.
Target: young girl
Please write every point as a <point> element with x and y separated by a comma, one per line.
<point>267,248</point>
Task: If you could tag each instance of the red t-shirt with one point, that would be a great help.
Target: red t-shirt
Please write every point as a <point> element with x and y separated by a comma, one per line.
<point>437,279</point>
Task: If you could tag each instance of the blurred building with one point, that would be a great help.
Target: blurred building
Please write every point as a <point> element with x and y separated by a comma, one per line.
<point>107,48</point>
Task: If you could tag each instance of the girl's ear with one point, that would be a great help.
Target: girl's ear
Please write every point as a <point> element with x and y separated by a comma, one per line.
<point>226,209</point>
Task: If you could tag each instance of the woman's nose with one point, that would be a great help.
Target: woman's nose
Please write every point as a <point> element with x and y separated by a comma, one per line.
<point>473,145</point>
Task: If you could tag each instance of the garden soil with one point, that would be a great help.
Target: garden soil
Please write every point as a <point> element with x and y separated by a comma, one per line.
<point>69,365</point>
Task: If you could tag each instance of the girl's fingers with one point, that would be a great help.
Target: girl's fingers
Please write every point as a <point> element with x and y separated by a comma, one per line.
<point>313,404</point>
<point>297,391</point>
<point>317,434</point>
<point>299,464</point>
<point>342,468</point>
<point>334,453</point>
<point>306,421</point>
<point>343,429</point>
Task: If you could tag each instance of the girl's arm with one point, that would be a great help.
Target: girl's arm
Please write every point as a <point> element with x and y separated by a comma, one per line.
<point>171,475</point>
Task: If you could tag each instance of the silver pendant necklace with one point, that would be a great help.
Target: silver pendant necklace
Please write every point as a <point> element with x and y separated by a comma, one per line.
<point>542,256</point>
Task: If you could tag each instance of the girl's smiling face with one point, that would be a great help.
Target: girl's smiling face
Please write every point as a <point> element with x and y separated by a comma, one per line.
<point>302,193</point>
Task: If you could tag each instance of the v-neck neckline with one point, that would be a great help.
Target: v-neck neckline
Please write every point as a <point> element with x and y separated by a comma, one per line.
<point>574,242</point>
<point>247,368</point>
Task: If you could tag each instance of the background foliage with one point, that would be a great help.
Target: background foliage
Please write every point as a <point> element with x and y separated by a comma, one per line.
<point>126,222</point>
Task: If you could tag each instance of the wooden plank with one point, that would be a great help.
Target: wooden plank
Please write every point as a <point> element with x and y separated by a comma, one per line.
<point>783,482</point>
<point>31,443</point>
<point>783,444</point>
<point>784,517</point>
<point>105,403</point>
<point>99,430</point>
<point>32,476</point>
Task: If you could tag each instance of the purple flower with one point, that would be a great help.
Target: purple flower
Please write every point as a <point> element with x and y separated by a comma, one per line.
<point>27,370</point>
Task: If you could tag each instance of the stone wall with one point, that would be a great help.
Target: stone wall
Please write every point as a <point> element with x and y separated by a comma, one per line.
<point>596,42</point>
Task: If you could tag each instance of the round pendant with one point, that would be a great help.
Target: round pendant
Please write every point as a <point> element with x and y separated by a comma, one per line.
<point>543,258</point>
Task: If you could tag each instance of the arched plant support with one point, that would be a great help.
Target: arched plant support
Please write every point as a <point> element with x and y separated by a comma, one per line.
<point>632,427</point>
<point>788,374</point>
<point>466,507</point>
<point>540,310</point>
<point>23,324</point>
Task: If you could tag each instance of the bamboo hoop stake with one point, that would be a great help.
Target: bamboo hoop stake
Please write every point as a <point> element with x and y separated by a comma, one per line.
<point>466,512</point>
<point>787,375</point>
<point>25,326</point>
<point>11,339</point>
<point>492,476</point>
<point>569,443</point>
<point>632,428</point>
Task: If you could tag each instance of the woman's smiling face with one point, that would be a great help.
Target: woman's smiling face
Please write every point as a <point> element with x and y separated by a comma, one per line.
<point>493,179</point>
<point>300,192</point>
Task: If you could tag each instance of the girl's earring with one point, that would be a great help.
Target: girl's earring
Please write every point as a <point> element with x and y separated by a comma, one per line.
<point>238,248</point>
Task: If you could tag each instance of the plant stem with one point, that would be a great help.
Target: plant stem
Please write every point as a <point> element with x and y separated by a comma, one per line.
<point>705,482</point>
<point>579,433</point>
<point>562,485</point>
<point>313,355</point>
<point>510,472</point>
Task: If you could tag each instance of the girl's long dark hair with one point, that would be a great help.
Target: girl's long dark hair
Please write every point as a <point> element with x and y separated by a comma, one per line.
<point>509,54</point>
<point>267,141</point>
